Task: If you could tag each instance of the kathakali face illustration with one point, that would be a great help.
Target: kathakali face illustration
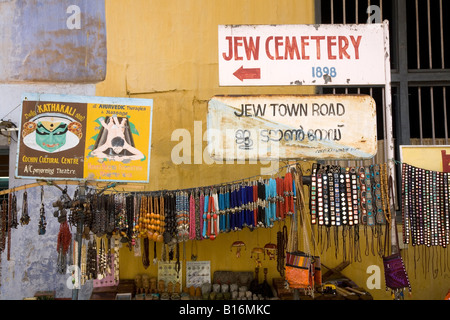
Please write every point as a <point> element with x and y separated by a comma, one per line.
<point>51,133</point>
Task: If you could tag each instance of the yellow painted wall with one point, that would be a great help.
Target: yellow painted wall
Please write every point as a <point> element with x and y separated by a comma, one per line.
<point>167,51</point>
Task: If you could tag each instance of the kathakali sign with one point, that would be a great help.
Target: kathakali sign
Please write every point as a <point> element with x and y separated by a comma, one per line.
<point>333,127</point>
<point>84,138</point>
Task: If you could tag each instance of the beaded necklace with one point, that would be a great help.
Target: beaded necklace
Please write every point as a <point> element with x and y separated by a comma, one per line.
<point>240,208</point>
<point>289,194</point>
<point>227,209</point>
<point>348,185</point>
<point>369,198</point>
<point>211,217</point>
<point>42,220</point>
<point>313,195</point>
<point>168,220</point>
<point>281,250</point>
<point>250,207</point>
<point>240,218</point>
<point>112,214</point>
<point>101,260</point>
<point>386,208</point>
<point>146,253</point>
<point>446,211</point>
<point>417,222</point>
<point>428,206</point>
<point>355,202</point>
<point>281,207</point>
<point>63,244</point>
<point>206,220</point>
<point>261,203</point>
<point>3,230</point>
<point>191,217</point>
<point>197,215</point>
<point>343,197</point>
<point>130,205</point>
<point>221,210</point>
<point>362,196</point>
<point>201,214</point>
<point>83,278</point>
<point>326,199</point>
<point>418,195</point>
<point>434,209</point>
<point>272,201</point>
<point>183,216</point>
<point>330,216</point>
<point>162,219</point>
<point>116,259</point>
<point>320,204</point>
<point>25,219</point>
<point>404,209</point>
<point>440,222</point>
<point>91,264</point>
<point>337,198</point>
<point>4,225</point>
<point>9,225</point>
<point>14,224</point>
<point>108,256</point>
<point>144,218</point>
<point>216,216</point>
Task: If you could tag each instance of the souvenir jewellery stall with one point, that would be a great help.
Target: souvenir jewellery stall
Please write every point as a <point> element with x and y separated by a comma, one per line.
<point>340,201</point>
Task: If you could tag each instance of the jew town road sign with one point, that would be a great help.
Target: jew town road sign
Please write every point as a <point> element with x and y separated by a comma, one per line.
<point>334,127</point>
<point>259,55</point>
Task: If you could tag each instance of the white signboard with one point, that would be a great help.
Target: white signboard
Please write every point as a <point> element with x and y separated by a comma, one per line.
<point>333,127</point>
<point>266,55</point>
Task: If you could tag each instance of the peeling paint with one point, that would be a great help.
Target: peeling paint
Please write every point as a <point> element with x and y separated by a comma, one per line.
<point>40,46</point>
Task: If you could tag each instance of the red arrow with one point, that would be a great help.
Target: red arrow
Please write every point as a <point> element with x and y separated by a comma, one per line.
<point>251,73</point>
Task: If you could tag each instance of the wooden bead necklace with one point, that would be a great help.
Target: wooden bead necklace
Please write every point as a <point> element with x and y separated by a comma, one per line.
<point>25,219</point>
<point>42,219</point>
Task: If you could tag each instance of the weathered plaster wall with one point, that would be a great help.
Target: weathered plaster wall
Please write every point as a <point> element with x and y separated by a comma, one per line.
<point>46,47</point>
<point>32,266</point>
<point>52,41</point>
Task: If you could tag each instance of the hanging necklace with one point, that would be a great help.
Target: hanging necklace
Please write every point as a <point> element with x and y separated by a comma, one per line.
<point>25,219</point>
<point>192,217</point>
<point>101,260</point>
<point>281,250</point>
<point>64,240</point>
<point>42,220</point>
<point>91,263</point>
<point>4,225</point>
<point>14,224</point>
<point>162,218</point>
<point>197,215</point>
<point>83,264</point>
<point>116,258</point>
<point>145,256</point>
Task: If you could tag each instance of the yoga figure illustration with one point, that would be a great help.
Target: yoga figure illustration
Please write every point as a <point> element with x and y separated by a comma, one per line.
<point>115,146</point>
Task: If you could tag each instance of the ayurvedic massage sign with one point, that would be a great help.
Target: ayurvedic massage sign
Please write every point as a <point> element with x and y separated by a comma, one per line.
<point>77,138</point>
<point>292,127</point>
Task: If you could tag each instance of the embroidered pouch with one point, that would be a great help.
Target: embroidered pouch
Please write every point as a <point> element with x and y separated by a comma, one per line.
<point>299,270</point>
<point>395,272</point>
